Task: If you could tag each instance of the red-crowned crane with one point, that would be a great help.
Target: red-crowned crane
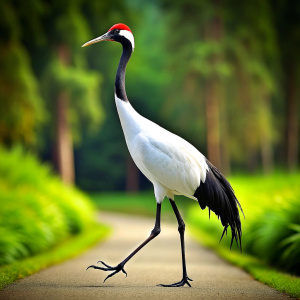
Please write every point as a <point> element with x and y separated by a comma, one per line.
<point>173,165</point>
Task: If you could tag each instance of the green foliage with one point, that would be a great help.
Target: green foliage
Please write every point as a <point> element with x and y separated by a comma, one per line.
<point>37,210</point>
<point>179,52</point>
<point>233,48</point>
<point>83,88</point>
<point>275,236</point>
<point>65,250</point>
<point>65,70</point>
<point>271,227</point>
<point>21,110</point>
<point>33,35</point>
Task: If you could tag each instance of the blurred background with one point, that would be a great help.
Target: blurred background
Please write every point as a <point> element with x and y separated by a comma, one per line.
<point>222,74</point>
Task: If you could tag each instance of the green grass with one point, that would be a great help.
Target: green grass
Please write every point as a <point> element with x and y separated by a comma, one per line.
<point>69,248</point>
<point>142,203</point>
<point>131,203</point>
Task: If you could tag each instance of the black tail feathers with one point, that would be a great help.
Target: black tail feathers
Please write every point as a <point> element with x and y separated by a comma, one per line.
<point>217,194</point>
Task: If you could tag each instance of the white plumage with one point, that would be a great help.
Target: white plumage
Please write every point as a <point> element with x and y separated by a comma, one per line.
<point>174,166</point>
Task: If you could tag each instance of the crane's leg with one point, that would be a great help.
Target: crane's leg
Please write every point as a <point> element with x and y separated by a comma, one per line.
<point>120,266</point>
<point>181,229</point>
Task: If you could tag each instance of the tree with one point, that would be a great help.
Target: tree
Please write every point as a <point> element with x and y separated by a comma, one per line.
<point>254,53</point>
<point>21,108</point>
<point>225,57</point>
<point>41,47</point>
<point>287,21</point>
<point>213,35</point>
<point>71,90</point>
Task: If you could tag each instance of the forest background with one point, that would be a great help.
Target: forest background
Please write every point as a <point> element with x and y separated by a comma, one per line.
<point>222,74</point>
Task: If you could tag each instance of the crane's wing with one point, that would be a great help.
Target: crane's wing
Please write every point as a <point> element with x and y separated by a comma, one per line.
<point>180,167</point>
<point>171,161</point>
<point>217,194</point>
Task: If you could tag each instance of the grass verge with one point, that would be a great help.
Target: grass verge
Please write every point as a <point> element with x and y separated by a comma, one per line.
<point>69,248</point>
<point>280,281</point>
<point>141,203</point>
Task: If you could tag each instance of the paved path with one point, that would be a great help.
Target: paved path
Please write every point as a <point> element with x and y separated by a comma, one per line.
<point>159,262</point>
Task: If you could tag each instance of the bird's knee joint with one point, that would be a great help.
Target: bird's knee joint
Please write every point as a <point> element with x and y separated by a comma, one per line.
<point>181,227</point>
<point>156,231</point>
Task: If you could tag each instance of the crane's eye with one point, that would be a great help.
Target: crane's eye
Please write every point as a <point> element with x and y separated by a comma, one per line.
<point>116,31</point>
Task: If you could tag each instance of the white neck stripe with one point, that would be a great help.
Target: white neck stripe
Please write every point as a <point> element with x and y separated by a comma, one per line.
<point>129,36</point>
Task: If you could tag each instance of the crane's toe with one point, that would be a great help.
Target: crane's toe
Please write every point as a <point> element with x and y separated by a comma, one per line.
<point>116,269</point>
<point>183,282</point>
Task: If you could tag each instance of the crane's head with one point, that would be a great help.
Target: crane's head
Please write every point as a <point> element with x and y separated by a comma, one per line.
<point>119,33</point>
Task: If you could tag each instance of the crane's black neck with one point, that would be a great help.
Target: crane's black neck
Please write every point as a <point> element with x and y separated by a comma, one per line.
<point>120,76</point>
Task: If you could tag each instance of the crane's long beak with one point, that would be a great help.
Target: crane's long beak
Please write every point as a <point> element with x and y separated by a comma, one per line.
<point>104,37</point>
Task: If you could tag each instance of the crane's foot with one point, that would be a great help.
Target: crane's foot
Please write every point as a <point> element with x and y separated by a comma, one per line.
<point>117,269</point>
<point>183,282</point>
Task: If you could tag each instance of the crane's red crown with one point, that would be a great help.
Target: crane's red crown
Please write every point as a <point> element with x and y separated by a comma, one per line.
<point>120,26</point>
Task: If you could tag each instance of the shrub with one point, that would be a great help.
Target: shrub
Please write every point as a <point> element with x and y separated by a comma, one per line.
<point>37,210</point>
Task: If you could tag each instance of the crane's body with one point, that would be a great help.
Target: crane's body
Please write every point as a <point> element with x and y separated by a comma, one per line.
<point>174,166</point>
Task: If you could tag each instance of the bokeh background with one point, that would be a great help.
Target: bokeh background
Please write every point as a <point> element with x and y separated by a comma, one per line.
<point>225,75</point>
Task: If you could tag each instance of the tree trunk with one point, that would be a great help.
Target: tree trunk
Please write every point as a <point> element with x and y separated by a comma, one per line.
<point>214,33</point>
<point>212,123</point>
<point>265,136</point>
<point>292,123</point>
<point>225,137</point>
<point>64,143</point>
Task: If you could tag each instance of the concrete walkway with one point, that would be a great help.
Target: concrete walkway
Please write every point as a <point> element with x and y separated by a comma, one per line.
<point>159,262</point>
